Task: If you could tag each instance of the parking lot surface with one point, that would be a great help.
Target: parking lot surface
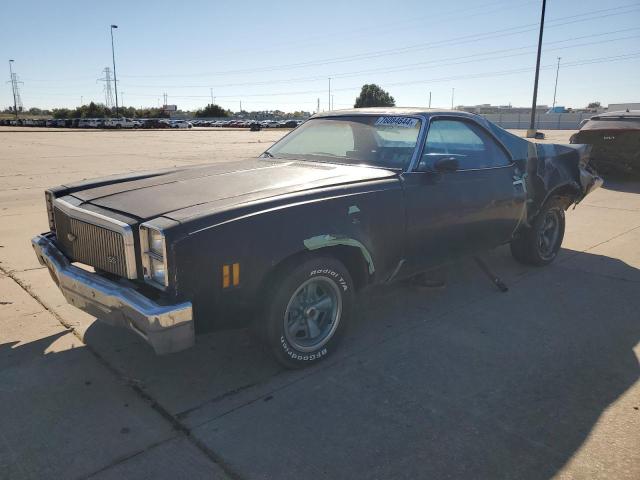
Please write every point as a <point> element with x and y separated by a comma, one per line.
<point>457,382</point>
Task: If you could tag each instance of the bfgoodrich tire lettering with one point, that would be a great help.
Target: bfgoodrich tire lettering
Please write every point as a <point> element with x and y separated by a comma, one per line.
<point>307,311</point>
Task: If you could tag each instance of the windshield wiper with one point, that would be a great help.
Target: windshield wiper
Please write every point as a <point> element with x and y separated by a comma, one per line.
<point>268,155</point>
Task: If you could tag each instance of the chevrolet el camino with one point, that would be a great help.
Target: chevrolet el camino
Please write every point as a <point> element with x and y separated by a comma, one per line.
<point>282,243</point>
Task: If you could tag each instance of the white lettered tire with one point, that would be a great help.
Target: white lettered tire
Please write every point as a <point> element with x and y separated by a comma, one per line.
<point>306,311</point>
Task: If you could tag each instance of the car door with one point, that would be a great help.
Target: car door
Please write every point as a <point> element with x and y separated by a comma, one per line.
<point>455,211</point>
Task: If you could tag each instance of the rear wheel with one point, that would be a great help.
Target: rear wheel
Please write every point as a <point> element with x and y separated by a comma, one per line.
<point>540,243</point>
<point>307,311</point>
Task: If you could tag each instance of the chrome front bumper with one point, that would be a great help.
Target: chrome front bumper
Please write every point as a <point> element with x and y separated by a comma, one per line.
<point>167,328</point>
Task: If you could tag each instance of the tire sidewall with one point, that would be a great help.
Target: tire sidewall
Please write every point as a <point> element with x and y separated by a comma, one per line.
<point>276,305</point>
<point>556,207</point>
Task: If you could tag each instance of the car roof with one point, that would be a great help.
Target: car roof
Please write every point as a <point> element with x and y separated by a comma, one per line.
<point>392,111</point>
<point>621,113</point>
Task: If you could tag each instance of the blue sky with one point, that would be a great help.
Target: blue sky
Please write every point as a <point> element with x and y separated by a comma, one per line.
<point>280,54</point>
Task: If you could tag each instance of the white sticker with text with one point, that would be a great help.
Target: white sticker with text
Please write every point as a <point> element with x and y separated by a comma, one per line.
<point>402,122</point>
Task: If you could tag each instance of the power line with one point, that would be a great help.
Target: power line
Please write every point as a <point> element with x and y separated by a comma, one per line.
<point>433,80</point>
<point>471,38</point>
<point>496,73</point>
<point>477,57</point>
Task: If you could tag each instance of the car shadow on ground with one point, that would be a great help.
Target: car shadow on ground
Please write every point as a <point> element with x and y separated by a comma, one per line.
<point>462,381</point>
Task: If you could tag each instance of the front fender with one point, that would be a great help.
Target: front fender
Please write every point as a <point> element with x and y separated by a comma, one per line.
<point>371,221</point>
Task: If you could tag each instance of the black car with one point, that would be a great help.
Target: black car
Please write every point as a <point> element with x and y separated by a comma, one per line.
<point>284,242</point>
<point>615,141</point>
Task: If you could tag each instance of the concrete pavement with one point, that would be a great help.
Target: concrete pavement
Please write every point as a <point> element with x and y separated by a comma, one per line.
<point>460,382</point>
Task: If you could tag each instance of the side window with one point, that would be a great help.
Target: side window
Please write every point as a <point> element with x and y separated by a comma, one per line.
<point>465,141</point>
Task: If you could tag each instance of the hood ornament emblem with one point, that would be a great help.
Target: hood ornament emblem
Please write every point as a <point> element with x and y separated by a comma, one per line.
<point>71,237</point>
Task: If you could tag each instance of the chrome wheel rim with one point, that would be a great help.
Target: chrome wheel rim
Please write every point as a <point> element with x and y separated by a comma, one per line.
<point>313,314</point>
<point>548,235</point>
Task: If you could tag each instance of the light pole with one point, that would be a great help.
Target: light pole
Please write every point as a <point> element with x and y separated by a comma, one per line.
<point>531,132</point>
<point>113,57</point>
<point>429,99</point>
<point>453,92</point>
<point>13,89</point>
<point>329,99</point>
<point>555,89</point>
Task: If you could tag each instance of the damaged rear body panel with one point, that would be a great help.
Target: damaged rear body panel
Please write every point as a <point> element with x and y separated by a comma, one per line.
<point>551,169</point>
<point>386,192</point>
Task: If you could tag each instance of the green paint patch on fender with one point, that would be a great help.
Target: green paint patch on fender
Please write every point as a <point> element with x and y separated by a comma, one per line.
<point>321,241</point>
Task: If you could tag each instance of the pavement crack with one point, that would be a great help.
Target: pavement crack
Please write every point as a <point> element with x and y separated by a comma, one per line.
<point>128,457</point>
<point>230,393</point>
<point>149,400</point>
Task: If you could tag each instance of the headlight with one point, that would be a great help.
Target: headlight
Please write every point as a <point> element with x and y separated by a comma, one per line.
<point>154,261</point>
<point>156,242</point>
<point>48,198</point>
<point>158,271</point>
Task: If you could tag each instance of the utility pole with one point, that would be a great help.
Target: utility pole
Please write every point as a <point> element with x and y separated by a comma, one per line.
<point>329,93</point>
<point>240,106</point>
<point>453,92</point>
<point>555,89</point>
<point>122,97</point>
<point>212,97</point>
<point>429,99</point>
<point>332,105</point>
<point>318,108</point>
<point>113,57</point>
<point>531,132</point>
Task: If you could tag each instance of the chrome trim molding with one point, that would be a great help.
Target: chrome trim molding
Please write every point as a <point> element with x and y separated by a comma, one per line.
<point>110,224</point>
<point>167,328</point>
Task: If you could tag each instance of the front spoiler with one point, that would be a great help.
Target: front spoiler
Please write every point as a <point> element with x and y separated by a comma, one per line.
<point>167,328</point>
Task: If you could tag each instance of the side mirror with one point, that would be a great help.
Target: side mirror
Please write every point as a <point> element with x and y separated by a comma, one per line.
<point>446,164</point>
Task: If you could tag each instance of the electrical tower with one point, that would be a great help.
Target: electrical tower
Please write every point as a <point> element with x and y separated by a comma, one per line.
<point>15,90</point>
<point>108,92</point>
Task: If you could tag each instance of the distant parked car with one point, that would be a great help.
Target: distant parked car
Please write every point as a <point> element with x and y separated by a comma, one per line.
<point>121,123</point>
<point>89,123</point>
<point>181,124</point>
<point>52,122</point>
<point>154,123</point>
<point>615,140</point>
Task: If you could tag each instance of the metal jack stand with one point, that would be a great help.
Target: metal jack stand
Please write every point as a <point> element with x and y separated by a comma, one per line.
<point>497,281</point>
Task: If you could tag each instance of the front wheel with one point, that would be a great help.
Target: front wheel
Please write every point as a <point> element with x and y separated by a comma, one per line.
<point>307,311</point>
<point>539,244</point>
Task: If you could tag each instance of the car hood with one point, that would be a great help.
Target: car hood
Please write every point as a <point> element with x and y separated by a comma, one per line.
<point>219,186</point>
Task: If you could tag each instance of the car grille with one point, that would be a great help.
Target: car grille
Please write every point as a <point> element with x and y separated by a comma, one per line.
<point>90,244</point>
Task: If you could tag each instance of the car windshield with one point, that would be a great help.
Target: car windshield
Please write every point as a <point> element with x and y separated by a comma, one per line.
<point>380,141</point>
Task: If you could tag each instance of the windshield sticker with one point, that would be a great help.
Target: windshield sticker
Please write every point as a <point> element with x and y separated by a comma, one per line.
<point>402,122</point>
